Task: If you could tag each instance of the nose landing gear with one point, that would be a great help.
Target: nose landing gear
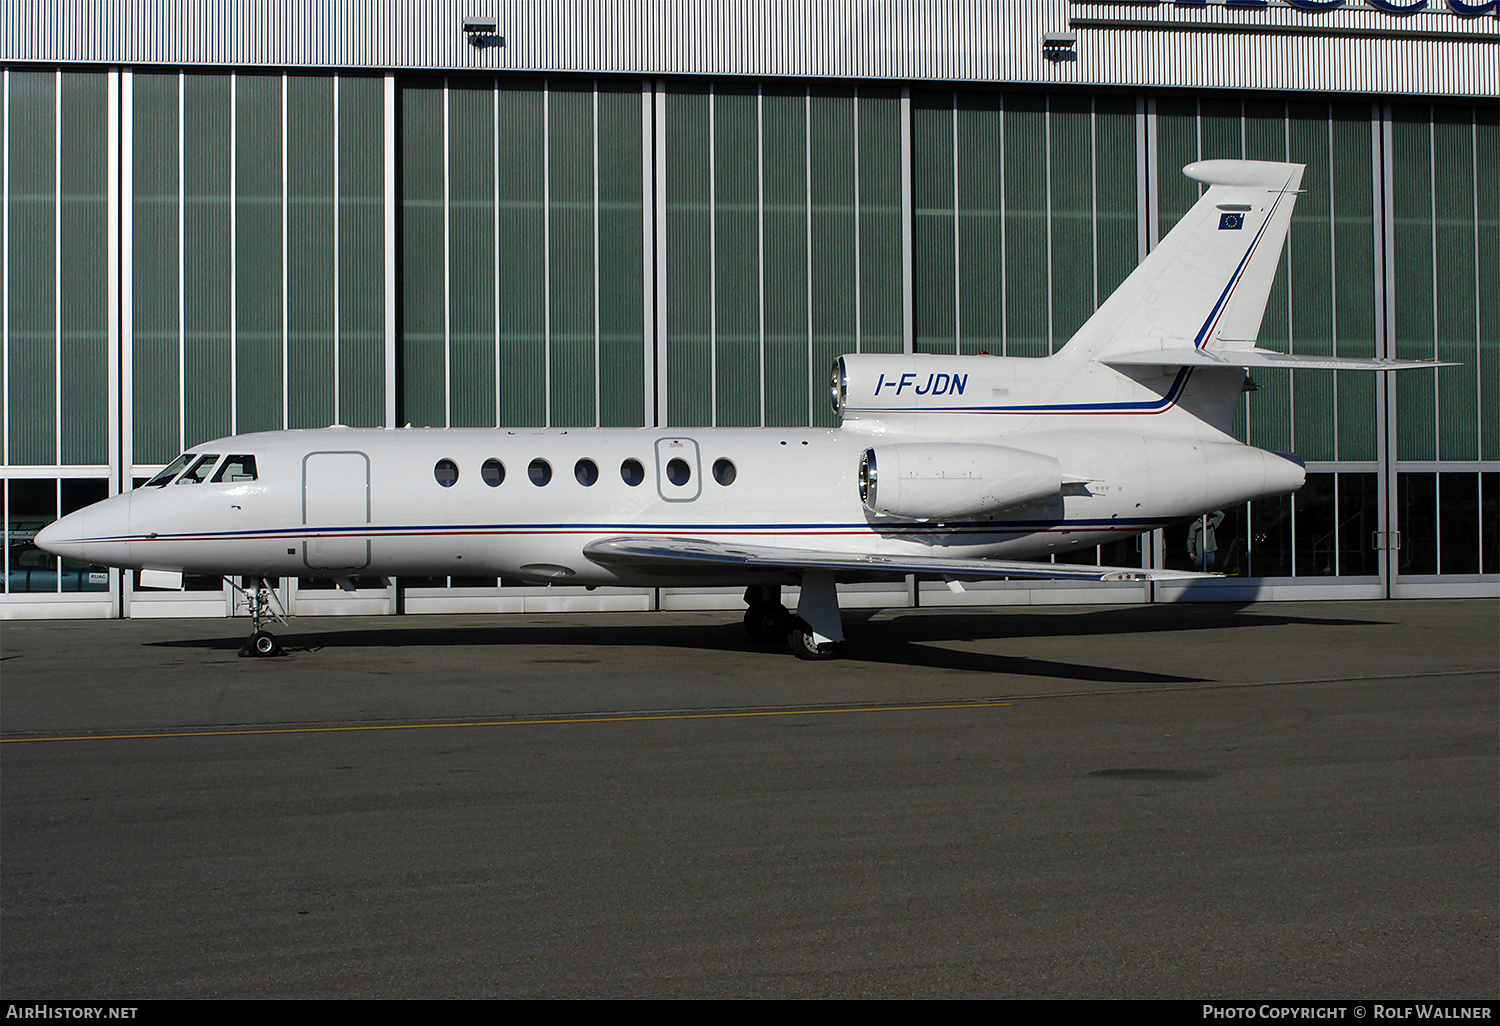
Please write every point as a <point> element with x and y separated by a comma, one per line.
<point>261,601</point>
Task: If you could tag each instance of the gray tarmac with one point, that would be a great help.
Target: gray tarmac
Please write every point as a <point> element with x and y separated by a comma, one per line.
<point>1276,801</point>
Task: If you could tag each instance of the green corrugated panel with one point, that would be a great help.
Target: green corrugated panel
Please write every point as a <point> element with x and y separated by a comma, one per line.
<point>1457,242</point>
<point>934,259</point>
<point>1487,209</point>
<point>206,285</point>
<point>622,359</point>
<point>881,290</point>
<point>310,252</point>
<point>31,254</point>
<point>785,226</point>
<point>1271,407</point>
<point>1265,130</point>
<point>257,248</point>
<point>361,282</point>
<point>471,253</point>
<point>522,240</point>
<point>1222,131</point>
<point>980,226</point>
<point>1071,214</point>
<point>570,172</point>
<point>1239,426</point>
<point>85,269</point>
<point>1412,275</point>
<point>1117,234</point>
<point>422,352</point>
<point>153,271</point>
<point>737,242</point>
<point>1026,226</point>
<point>833,273</point>
<point>1176,147</point>
<point>1354,277</point>
<point>1313,293</point>
<point>5,242</point>
<point>689,259</point>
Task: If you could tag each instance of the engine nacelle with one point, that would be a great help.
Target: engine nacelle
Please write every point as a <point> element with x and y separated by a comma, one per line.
<point>952,480</point>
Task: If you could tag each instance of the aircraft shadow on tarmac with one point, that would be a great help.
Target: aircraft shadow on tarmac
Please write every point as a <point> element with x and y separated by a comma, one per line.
<point>913,639</point>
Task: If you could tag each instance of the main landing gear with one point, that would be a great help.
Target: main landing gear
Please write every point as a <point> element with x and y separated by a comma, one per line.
<point>261,600</point>
<point>815,632</point>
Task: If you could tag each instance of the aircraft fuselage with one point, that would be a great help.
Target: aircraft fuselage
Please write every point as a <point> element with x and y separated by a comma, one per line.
<point>341,502</point>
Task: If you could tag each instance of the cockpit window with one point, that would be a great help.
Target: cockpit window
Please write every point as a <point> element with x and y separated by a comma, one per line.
<point>236,469</point>
<point>198,472</point>
<point>171,471</point>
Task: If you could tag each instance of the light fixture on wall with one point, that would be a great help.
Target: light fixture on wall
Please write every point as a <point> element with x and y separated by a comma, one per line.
<point>1058,46</point>
<point>481,33</point>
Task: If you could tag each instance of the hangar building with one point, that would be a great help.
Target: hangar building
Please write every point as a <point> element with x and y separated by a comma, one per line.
<point>228,216</point>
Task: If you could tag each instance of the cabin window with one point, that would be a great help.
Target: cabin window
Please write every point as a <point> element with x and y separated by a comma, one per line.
<point>632,473</point>
<point>678,471</point>
<point>170,472</point>
<point>236,469</point>
<point>493,473</point>
<point>540,472</point>
<point>446,472</point>
<point>587,472</point>
<point>724,471</point>
<point>198,473</point>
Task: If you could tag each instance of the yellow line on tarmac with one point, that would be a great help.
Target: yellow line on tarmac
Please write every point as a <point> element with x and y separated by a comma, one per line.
<point>637,717</point>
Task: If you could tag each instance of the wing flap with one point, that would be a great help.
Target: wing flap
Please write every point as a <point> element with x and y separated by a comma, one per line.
<point>668,555</point>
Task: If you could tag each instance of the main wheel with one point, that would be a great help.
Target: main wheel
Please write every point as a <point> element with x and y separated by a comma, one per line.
<point>767,621</point>
<point>801,642</point>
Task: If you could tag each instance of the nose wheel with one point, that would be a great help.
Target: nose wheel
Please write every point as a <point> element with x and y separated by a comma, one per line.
<point>262,643</point>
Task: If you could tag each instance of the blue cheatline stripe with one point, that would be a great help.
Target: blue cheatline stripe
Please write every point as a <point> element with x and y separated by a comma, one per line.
<point>1133,524</point>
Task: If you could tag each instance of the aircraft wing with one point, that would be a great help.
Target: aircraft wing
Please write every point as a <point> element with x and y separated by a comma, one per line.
<point>1244,356</point>
<point>692,556</point>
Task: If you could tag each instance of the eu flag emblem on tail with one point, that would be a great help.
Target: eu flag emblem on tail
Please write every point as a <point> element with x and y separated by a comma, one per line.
<point>1231,222</point>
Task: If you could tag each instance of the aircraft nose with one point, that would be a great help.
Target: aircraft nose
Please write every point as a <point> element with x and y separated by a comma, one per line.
<point>97,534</point>
<point>65,537</point>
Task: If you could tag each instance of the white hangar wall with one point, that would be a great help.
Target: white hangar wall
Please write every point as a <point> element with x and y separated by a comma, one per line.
<point>1418,47</point>
<point>226,217</point>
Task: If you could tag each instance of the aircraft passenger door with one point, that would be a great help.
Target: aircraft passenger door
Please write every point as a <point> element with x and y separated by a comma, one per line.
<point>336,505</point>
<point>678,477</point>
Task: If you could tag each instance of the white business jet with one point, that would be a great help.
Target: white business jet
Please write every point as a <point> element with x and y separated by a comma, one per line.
<point>961,467</point>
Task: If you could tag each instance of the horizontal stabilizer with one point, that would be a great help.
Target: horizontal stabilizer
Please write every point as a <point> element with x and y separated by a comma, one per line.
<point>657,555</point>
<point>1228,356</point>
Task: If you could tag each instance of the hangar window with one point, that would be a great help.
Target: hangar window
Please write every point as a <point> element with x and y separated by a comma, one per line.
<point>171,471</point>
<point>587,472</point>
<point>493,472</point>
<point>724,471</point>
<point>198,472</point>
<point>446,472</point>
<point>236,469</point>
<point>678,472</point>
<point>632,473</point>
<point>540,472</point>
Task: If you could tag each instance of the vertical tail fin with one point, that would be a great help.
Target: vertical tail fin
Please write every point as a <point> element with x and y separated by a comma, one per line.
<point>1207,282</point>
